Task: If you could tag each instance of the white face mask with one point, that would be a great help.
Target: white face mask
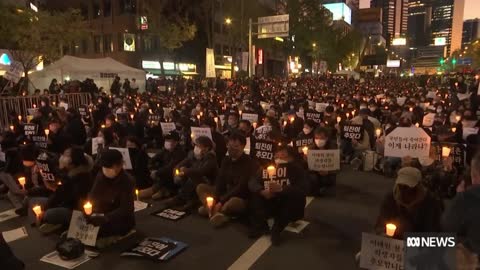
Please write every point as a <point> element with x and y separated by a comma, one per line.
<point>197,152</point>
<point>280,161</point>
<point>469,123</point>
<point>363,107</point>
<point>320,142</point>
<point>100,140</point>
<point>109,173</point>
<point>425,161</point>
<point>307,130</point>
<point>168,145</point>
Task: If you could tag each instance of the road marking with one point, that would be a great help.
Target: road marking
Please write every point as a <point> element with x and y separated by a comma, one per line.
<point>247,259</point>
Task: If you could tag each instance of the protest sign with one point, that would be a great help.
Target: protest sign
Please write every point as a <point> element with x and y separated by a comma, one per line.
<point>15,234</point>
<point>14,72</point>
<point>43,163</point>
<point>300,143</point>
<point>167,127</point>
<point>82,231</point>
<point>262,132</point>
<point>314,116</point>
<point>381,253</point>
<point>462,97</point>
<point>40,141</point>
<point>32,111</point>
<point>407,141</point>
<point>351,131</point>
<point>82,111</point>
<point>55,259</point>
<point>264,150</point>
<point>279,176</point>
<point>30,129</point>
<point>457,152</point>
<point>127,162</point>
<point>320,107</point>
<point>469,131</point>
<point>154,118</point>
<point>251,117</point>
<point>323,160</point>
<point>156,249</point>
<point>170,214</point>
<point>198,132</point>
<point>97,144</point>
<point>428,119</point>
<point>311,104</point>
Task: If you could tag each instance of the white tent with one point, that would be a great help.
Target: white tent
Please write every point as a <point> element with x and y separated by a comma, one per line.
<point>101,70</point>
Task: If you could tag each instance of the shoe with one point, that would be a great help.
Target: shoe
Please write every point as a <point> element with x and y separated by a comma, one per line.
<point>218,220</point>
<point>255,232</point>
<point>49,228</point>
<point>173,202</point>
<point>22,211</point>
<point>203,211</point>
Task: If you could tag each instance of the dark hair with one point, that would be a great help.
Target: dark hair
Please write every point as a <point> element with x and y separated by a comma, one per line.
<point>204,141</point>
<point>78,156</point>
<point>135,140</point>
<point>310,123</point>
<point>235,136</point>
<point>110,158</point>
<point>246,122</point>
<point>322,130</point>
<point>290,150</point>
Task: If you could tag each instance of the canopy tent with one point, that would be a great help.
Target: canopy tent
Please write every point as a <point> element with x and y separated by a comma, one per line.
<point>101,70</point>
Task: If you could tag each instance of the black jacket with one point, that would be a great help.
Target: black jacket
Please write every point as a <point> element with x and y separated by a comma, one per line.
<point>76,130</point>
<point>220,146</point>
<point>201,170</point>
<point>13,162</point>
<point>114,198</point>
<point>140,168</point>
<point>233,177</point>
<point>165,161</point>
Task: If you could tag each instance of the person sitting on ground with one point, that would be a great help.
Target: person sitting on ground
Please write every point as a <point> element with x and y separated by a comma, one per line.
<point>162,165</point>
<point>410,206</point>
<point>75,182</point>
<point>12,168</point>
<point>200,166</point>
<point>112,197</point>
<point>140,172</point>
<point>281,194</point>
<point>230,192</point>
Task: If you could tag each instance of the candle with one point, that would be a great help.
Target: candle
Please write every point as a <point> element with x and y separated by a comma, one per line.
<point>390,229</point>
<point>215,119</point>
<point>150,111</point>
<point>209,202</point>
<point>54,103</point>
<point>454,129</point>
<point>342,105</point>
<point>37,209</point>
<point>88,208</point>
<point>339,119</point>
<point>378,132</point>
<point>136,193</point>
<point>284,123</point>
<point>271,170</point>
<point>458,117</point>
<point>417,125</point>
<point>292,119</point>
<point>411,109</point>
<point>12,128</point>
<point>191,136</point>
<point>20,118</point>
<point>254,124</point>
<point>201,114</point>
<point>131,116</point>
<point>348,115</point>
<point>353,113</point>
<point>47,131</point>
<point>198,117</point>
<point>102,126</point>
<point>177,172</point>
<point>305,150</point>
<point>445,152</point>
<point>21,180</point>
<point>240,112</point>
<point>34,106</point>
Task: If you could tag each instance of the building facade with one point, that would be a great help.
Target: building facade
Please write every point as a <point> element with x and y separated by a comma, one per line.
<point>419,22</point>
<point>394,17</point>
<point>447,24</point>
<point>471,31</point>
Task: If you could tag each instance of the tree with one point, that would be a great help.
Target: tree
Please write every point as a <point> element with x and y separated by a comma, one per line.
<point>32,37</point>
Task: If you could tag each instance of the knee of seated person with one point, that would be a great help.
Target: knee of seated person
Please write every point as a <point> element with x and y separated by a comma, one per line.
<point>233,205</point>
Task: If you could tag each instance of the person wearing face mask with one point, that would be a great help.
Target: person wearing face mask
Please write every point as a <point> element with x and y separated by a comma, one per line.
<point>305,138</point>
<point>58,140</point>
<point>410,206</point>
<point>162,165</point>
<point>281,195</point>
<point>230,191</point>
<point>218,139</point>
<point>322,183</point>
<point>112,197</point>
<point>294,125</point>
<point>140,172</point>
<point>200,166</point>
<point>75,181</point>
<point>232,123</point>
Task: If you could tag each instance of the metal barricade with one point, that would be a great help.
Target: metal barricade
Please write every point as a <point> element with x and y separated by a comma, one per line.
<point>19,105</point>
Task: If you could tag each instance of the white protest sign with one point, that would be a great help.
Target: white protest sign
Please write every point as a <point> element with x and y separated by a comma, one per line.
<point>323,160</point>
<point>463,96</point>
<point>79,229</point>
<point>407,141</point>
<point>431,94</point>
<point>97,142</point>
<point>16,234</point>
<point>252,117</point>
<point>428,120</point>
<point>311,104</point>
<point>14,72</point>
<point>127,162</point>
<point>401,100</point>
<point>320,107</point>
<point>198,132</point>
<point>381,253</point>
<point>265,106</point>
<point>64,105</point>
<point>469,131</point>
<point>167,127</point>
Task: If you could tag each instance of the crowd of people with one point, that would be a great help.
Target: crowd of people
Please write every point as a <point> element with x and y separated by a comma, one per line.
<point>253,159</point>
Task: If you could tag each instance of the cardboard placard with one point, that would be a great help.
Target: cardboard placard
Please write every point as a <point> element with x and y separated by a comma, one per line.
<point>170,214</point>
<point>40,141</point>
<point>82,111</point>
<point>97,144</point>
<point>280,177</point>
<point>264,150</point>
<point>299,143</point>
<point>156,249</point>
<point>353,132</point>
<point>43,165</point>
<point>323,160</point>
<point>30,129</point>
<point>407,141</point>
<point>167,127</point>
<point>127,162</point>
<point>262,132</point>
<point>381,253</point>
<point>315,116</point>
<point>252,117</point>
<point>428,119</point>
<point>79,229</point>
<point>198,132</point>
<point>320,107</point>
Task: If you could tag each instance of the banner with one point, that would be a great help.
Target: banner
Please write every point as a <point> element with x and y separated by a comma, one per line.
<point>428,120</point>
<point>252,117</point>
<point>210,64</point>
<point>381,253</point>
<point>264,150</point>
<point>314,116</point>
<point>167,127</point>
<point>323,160</point>
<point>198,132</point>
<point>407,141</point>
<point>97,144</point>
<point>127,162</point>
<point>30,129</point>
<point>82,231</point>
<point>156,249</point>
<point>354,132</point>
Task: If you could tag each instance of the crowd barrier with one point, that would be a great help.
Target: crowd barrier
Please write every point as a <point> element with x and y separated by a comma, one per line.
<point>21,104</point>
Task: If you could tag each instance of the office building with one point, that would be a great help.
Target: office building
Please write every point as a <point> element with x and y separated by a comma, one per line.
<point>447,24</point>
<point>419,22</point>
<point>394,17</point>
<point>471,31</point>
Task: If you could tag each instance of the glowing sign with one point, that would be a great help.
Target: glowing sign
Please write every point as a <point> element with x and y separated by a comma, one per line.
<point>5,60</point>
<point>260,56</point>
<point>393,63</point>
<point>143,23</point>
<point>399,42</point>
<point>151,64</point>
<point>440,41</point>
<point>340,11</point>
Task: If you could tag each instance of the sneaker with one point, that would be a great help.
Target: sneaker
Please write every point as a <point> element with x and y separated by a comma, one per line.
<point>218,220</point>
<point>49,228</point>
<point>203,211</point>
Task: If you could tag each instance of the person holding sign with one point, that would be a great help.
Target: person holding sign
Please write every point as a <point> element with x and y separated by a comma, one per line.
<point>231,187</point>
<point>281,194</point>
<point>411,207</point>
<point>162,165</point>
<point>112,197</point>
<point>199,167</point>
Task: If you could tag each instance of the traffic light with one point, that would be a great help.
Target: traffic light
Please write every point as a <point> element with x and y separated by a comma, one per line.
<point>442,61</point>
<point>454,61</point>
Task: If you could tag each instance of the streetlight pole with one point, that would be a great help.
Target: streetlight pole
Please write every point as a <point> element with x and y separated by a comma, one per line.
<point>250,58</point>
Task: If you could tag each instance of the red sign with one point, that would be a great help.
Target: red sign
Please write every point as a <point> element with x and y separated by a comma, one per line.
<point>260,56</point>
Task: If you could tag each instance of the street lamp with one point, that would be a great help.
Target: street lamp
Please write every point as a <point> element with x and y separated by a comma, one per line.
<point>314,45</point>
<point>228,21</point>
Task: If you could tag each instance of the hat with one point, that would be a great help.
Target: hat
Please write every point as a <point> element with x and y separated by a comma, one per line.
<point>408,176</point>
<point>172,136</point>
<point>110,157</point>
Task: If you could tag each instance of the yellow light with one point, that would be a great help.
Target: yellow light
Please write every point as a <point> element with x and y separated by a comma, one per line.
<point>228,21</point>
<point>87,207</point>
<point>209,202</point>
<point>305,150</point>
<point>271,170</point>
<point>390,229</point>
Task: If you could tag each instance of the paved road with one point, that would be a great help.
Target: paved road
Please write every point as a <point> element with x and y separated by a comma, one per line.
<point>328,242</point>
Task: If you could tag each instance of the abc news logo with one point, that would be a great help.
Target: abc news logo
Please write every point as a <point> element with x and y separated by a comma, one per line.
<point>431,241</point>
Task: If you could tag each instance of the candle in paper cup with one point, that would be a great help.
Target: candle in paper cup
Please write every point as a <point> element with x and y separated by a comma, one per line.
<point>131,116</point>
<point>209,202</point>
<point>390,229</point>
<point>378,132</point>
<point>34,106</point>
<point>177,172</point>
<point>198,117</point>
<point>271,170</point>
<point>136,194</point>
<point>240,112</point>
<point>215,119</point>
<point>102,126</point>
<point>201,114</point>
<point>458,117</point>
<point>445,152</point>
<point>284,123</point>
<point>411,109</point>
<point>348,115</point>
<point>37,209</point>
<point>47,131</point>
<point>339,119</point>
<point>12,128</point>
<point>292,119</point>
<point>21,180</point>
<point>20,118</point>
<point>87,207</point>
<point>150,111</point>
<point>353,113</point>
<point>454,129</point>
<point>305,150</point>
<point>417,125</point>
<point>254,124</point>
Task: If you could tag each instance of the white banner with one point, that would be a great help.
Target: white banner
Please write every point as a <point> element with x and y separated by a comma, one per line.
<point>127,162</point>
<point>252,117</point>
<point>323,160</point>
<point>320,107</point>
<point>167,127</point>
<point>14,72</point>
<point>82,231</point>
<point>411,141</point>
<point>198,131</point>
<point>381,253</point>
<point>428,120</point>
<point>210,64</point>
